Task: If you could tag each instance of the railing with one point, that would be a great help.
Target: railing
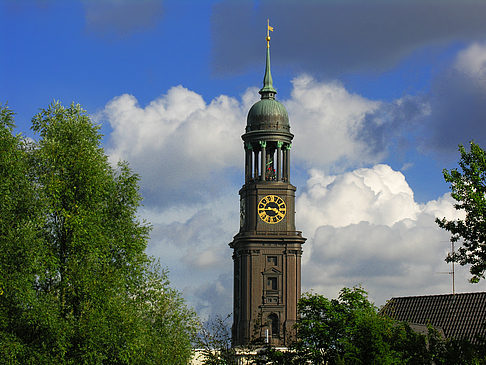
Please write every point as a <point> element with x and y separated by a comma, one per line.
<point>270,233</point>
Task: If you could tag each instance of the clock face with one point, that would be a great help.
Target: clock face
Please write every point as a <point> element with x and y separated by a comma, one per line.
<point>272,209</point>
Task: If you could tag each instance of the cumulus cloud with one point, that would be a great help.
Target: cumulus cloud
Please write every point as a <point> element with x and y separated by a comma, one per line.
<point>364,227</point>
<point>191,240</point>
<point>398,260</point>
<point>339,129</point>
<point>349,128</point>
<point>376,195</point>
<point>200,233</point>
<point>335,37</point>
<point>472,61</point>
<point>189,154</point>
<point>215,298</point>
<point>327,120</point>
<point>457,106</point>
<point>185,149</point>
<point>363,224</point>
<point>188,149</point>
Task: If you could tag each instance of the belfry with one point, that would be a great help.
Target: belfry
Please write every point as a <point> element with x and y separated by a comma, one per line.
<point>267,249</point>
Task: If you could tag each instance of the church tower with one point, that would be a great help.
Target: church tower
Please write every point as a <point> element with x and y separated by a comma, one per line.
<point>267,250</point>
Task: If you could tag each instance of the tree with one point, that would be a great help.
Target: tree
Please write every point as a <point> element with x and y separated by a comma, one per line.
<point>350,330</point>
<point>468,188</point>
<point>345,330</point>
<point>20,245</point>
<point>88,293</point>
<point>214,340</point>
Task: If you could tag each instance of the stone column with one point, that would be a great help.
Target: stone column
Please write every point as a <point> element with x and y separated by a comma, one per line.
<point>287,162</point>
<point>263,144</point>
<point>248,162</point>
<point>255,165</point>
<point>279,168</point>
<point>284,164</point>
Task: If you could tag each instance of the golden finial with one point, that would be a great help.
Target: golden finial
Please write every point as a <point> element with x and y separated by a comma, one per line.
<point>269,29</point>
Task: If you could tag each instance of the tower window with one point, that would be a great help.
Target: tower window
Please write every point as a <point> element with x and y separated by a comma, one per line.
<point>272,283</point>
<point>272,260</point>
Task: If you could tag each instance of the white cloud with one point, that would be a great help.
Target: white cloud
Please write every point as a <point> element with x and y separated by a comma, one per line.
<point>472,62</point>
<point>178,142</point>
<point>191,240</point>
<point>199,233</point>
<point>215,297</point>
<point>187,149</point>
<point>378,195</point>
<point>327,120</point>
<point>364,227</point>
<point>443,207</point>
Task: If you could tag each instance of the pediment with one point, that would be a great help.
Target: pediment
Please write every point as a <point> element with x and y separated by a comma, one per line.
<point>272,271</point>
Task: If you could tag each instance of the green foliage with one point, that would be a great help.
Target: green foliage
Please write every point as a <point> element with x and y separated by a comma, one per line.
<point>20,244</point>
<point>349,330</point>
<point>455,351</point>
<point>345,330</point>
<point>468,188</point>
<point>76,284</point>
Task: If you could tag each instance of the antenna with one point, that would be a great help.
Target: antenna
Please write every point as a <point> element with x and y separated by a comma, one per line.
<point>452,272</point>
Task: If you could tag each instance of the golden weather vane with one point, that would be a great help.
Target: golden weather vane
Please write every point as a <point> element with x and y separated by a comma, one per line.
<point>269,29</point>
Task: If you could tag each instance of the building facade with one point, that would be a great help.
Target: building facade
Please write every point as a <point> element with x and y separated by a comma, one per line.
<point>267,250</point>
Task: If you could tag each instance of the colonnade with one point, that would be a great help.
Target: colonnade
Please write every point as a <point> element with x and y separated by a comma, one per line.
<point>267,161</point>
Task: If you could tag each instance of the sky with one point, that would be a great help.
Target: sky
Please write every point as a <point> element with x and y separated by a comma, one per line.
<point>379,95</point>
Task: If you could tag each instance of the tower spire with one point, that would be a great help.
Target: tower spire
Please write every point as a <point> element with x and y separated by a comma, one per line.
<point>267,91</point>
<point>267,250</point>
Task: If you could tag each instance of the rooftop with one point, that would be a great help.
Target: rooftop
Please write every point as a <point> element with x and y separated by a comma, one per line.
<point>458,315</point>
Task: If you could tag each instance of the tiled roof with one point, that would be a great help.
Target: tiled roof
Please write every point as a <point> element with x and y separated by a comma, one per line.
<point>458,315</point>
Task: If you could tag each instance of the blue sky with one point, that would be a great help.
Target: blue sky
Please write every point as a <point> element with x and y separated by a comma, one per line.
<point>379,95</point>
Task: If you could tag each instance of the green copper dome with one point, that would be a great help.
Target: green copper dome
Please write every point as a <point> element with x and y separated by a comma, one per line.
<point>268,113</point>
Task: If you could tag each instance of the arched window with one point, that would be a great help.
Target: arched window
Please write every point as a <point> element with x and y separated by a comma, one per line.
<point>274,324</point>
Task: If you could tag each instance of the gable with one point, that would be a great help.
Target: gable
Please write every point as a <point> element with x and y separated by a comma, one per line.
<point>272,271</point>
